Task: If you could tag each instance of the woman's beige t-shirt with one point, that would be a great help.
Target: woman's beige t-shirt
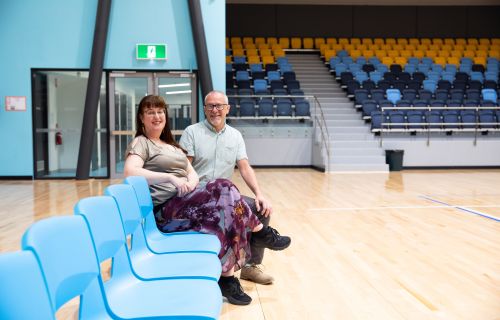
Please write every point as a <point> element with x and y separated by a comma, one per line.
<point>160,158</point>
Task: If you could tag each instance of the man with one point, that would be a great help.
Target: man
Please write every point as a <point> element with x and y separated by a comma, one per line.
<point>214,148</point>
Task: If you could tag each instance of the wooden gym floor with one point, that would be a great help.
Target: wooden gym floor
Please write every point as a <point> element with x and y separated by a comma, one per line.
<point>399,245</point>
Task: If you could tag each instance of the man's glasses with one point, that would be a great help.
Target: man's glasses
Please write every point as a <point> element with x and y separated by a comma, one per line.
<point>215,106</point>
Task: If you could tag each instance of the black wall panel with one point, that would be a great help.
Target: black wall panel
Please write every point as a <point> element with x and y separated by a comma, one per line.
<point>441,22</point>
<point>362,21</point>
<point>384,21</point>
<point>311,21</point>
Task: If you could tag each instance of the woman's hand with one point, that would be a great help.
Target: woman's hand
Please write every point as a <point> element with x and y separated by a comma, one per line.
<point>192,185</point>
<point>182,185</point>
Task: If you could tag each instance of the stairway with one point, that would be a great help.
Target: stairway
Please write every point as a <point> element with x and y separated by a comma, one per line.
<point>352,145</point>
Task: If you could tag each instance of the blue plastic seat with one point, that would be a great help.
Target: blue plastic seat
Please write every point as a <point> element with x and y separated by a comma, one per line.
<point>489,94</point>
<point>23,294</point>
<point>450,119</point>
<point>487,119</point>
<point>160,242</point>
<point>293,84</point>
<point>376,120</point>
<point>273,75</point>
<point>260,86</point>
<point>284,108</point>
<point>409,94</point>
<point>377,94</point>
<point>70,261</point>
<point>145,263</point>
<point>302,109</point>
<point>397,120</point>
<point>393,95</point>
<point>265,108</point>
<point>430,85</point>
<point>247,108</point>
<point>368,106</point>
<point>441,94</point>
<point>468,119</point>
<point>415,119</point>
<point>433,119</point>
<point>360,95</point>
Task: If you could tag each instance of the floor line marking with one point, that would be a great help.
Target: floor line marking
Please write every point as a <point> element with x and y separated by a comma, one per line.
<point>463,208</point>
<point>400,207</point>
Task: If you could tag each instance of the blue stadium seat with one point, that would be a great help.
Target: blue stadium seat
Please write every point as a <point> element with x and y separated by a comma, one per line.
<point>266,108</point>
<point>302,109</point>
<point>415,119</point>
<point>368,106</point>
<point>247,108</point>
<point>450,119</point>
<point>468,119</point>
<point>393,95</point>
<point>284,108</point>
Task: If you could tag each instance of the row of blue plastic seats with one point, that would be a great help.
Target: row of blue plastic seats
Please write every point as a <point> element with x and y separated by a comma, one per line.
<point>434,119</point>
<point>368,106</point>
<point>411,61</point>
<point>269,75</point>
<point>159,277</point>
<point>268,108</point>
<point>395,95</point>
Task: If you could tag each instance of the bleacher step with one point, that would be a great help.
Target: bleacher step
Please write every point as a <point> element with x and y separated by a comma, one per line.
<point>360,167</point>
<point>353,144</point>
<point>375,152</point>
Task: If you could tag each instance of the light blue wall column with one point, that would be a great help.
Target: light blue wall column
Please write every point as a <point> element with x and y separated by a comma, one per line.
<point>57,34</point>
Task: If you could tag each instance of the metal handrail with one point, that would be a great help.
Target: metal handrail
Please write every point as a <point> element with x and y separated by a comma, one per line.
<point>321,120</point>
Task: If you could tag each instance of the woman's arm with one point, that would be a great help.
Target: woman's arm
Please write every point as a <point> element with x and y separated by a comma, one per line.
<point>134,167</point>
<point>192,177</point>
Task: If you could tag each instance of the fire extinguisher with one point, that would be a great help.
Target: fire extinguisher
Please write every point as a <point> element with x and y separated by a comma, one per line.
<point>59,140</point>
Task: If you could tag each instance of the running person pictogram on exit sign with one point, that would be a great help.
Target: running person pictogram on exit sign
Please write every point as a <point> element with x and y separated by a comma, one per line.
<point>145,51</point>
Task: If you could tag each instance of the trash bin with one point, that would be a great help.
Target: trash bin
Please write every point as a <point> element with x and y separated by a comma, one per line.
<point>394,158</point>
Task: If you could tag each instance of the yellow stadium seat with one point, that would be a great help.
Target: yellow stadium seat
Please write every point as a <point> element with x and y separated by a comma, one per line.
<point>329,53</point>
<point>443,53</point>
<point>483,47</point>
<point>495,41</point>
<point>296,43</point>
<point>247,40</point>
<point>367,41</point>
<point>252,52</point>
<point>262,46</point>
<point>343,41</point>
<point>253,59</point>
<point>374,47</point>
<point>472,41</point>
<point>228,59</point>
<point>238,52</point>
<point>418,54</point>
<point>469,53</point>
<point>456,53</point>
<point>380,54</point>
<point>405,53</point>
<point>355,54</point>
<point>331,41</point>
<point>494,54</point>
<point>361,47</point>
<point>410,47</point>
<point>400,60</point>
<point>431,53</point>
<point>435,47</point>
<point>449,41</point>
<point>237,45</point>
<point>235,40</point>
<point>459,47</point>
<point>278,53</point>
<point>271,41</point>
<point>355,41</point>
<point>423,47</point>
<point>472,47</point>
<point>318,42</point>
<point>349,47</point>
<point>484,41</point>
<point>284,42</point>
<point>308,43</point>
<point>393,53</point>
<point>460,41</point>
<point>398,47</point>
<point>454,60</point>
<point>259,40</point>
<point>414,41</point>
<point>323,48</point>
<point>337,47</point>
<point>249,45</point>
<point>390,41</point>
<point>495,47</point>
<point>378,41</point>
<point>387,61</point>
<point>440,60</point>
<point>479,60</point>
<point>265,52</point>
<point>267,60</point>
<point>447,47</point>
<point>276,46</point>
<point>368,54</point>
<point>426,41</point>
<point>481,53</point>
<point>386,47</point>
<point>402,41</point>
<point>437,41</point>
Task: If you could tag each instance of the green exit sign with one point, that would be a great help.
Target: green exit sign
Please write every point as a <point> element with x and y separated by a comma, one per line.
<point>151,51</point>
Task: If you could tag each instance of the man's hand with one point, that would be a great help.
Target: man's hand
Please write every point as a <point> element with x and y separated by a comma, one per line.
<point>261,203</point>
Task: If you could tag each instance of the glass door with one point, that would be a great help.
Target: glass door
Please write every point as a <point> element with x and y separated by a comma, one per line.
<point>126,91</point>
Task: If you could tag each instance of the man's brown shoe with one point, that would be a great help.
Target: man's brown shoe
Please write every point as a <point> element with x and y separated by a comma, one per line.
<point>255,274</point>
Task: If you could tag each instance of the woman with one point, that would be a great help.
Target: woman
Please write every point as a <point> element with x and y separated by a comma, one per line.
<point>180,204</point>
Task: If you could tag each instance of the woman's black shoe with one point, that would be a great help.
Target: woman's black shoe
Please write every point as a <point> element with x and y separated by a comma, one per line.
<point>233,291</point>
<point>270,238</point>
